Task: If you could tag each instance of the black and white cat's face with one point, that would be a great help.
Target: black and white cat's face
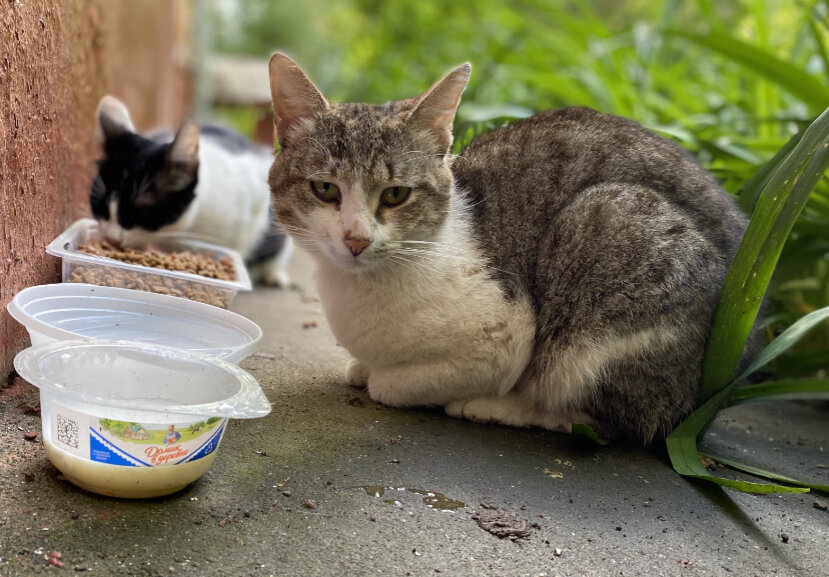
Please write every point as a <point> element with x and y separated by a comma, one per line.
<point>143,184</point>
<point>364,186</point>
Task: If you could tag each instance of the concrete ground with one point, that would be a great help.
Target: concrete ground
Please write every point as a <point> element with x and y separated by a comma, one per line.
<point>331,483</point>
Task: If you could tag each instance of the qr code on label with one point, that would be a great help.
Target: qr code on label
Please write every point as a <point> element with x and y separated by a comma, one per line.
<point>67,431</point>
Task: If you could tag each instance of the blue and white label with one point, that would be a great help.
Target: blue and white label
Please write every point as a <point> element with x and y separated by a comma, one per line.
<point>133,444</point>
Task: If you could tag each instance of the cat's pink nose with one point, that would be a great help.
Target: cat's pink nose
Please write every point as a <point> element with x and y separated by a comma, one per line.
<point>356,245</point>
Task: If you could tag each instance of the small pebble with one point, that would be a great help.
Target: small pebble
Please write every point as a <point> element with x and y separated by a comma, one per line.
<point>30,435</point>
<point>819,505</point>
<point>286,492</point>
<point>309,504</point>
<point>784,537</point>
<point>55,559</point>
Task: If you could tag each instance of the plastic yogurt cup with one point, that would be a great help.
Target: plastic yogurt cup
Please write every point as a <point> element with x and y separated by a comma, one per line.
<point>71,311</point>
<point>133,420</point>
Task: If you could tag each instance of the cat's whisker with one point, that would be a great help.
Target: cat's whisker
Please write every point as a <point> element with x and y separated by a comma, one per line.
<point>430,242</point>
<point>426,257</point>
<point>325,151</point>
<point>421,155</point>
<point>319,175</point>
<point>416,137</point>
<point>433,253</point>
<point>439,254</point>
<point>468,205</point>
<point>414,264</point>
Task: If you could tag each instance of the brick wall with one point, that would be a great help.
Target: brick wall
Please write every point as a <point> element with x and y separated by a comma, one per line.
<point>57,58</point>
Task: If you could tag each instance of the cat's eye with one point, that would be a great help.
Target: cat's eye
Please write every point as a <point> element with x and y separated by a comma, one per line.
<point>325,191</point>
<point>395,195</point>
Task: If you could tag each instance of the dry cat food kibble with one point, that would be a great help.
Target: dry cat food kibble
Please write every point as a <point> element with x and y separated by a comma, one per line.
<point>187,261</point>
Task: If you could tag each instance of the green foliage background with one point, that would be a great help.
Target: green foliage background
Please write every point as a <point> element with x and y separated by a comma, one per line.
<point>732,81</point>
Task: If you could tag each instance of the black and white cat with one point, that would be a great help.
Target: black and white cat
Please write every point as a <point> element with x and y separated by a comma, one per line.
<point>209,182</point>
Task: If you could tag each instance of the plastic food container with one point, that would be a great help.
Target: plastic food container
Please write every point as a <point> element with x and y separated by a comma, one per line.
<point>93,269</point>
<point>90,312</point>
<point>133,420</point>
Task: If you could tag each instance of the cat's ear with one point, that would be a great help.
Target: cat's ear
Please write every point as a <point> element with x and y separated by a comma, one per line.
<point>113,119</point>
<point>181,162</point>
<point>185,147</point>
<point>295,98</point>
<point>435,111</point>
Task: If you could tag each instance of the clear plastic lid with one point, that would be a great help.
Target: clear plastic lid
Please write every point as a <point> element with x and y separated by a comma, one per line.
<point>142,377</point>
<point>77,311</point>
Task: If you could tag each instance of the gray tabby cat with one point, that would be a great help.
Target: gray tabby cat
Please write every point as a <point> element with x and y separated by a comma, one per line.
<point>564,269</point>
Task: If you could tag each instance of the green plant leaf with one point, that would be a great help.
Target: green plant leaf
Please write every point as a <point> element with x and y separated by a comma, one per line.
<point>682,450</point>
<point>767,474</point>
<point>779,205</point>
<point>751,190</point>
<point>784,389</point>
<point>682,442</point>
<point>786,340</point>
<point>805,86</point>
<point>586,431</point>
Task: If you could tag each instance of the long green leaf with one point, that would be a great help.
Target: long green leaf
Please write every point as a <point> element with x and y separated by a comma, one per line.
<point>682,450</point>
<point>805,86</point>
<point>784,389</point>
<point>751,190</point>
<point>779,205</point>
<point>764,473</point>
<point>682,442</point>
<point>818,38</point>
<point>786,340</point>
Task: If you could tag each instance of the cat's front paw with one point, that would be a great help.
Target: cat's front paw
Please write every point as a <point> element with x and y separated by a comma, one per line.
<point>479,410</point>
<point>510,409</point>
<point>356,373</point>
<point>278,279</point>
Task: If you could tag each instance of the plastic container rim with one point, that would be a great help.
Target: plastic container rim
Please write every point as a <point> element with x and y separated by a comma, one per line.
<point>18,311</point>
<point>59,248</point>
<point>249,394</point>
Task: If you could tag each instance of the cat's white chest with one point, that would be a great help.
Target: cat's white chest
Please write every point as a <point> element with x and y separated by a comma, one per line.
<point>418,318</point>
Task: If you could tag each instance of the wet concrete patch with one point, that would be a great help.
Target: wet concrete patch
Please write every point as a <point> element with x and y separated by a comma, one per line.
<point>432,499</point>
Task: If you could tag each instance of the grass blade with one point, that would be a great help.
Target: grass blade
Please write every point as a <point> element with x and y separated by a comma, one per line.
<point>786,340</point>
<point>767,474</point>
<point>682,450</point>
<point>682,442</point>
<point>778,207</point>
<point>586,431</point>
<point>782,390</point>
<point>751,190</point>
<point>805,86</point>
